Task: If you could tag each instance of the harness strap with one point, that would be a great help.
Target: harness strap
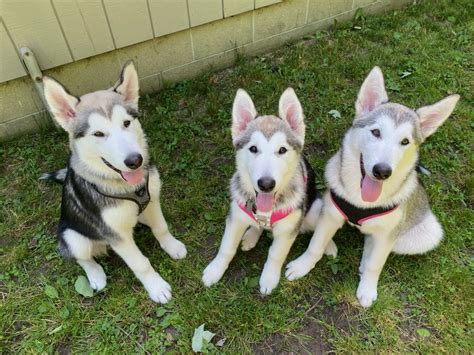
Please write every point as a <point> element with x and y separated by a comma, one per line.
<point>263,220</point>
<point>357,215</point>
<point>141,196</point>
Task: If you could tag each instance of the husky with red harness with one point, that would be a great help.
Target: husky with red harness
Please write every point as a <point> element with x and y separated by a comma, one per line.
<point>373,185</point>
<point>273,187</point>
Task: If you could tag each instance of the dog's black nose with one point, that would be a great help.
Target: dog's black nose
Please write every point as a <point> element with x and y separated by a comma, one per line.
<point>266,184</point>
<point>134,161</point>
<point>382,171</point>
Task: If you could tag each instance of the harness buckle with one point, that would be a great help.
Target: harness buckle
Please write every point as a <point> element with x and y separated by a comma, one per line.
<point>263,221</point>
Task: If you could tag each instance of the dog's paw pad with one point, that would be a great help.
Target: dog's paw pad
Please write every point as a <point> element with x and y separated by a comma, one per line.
<point>268,282</point>
<point>158,289</point>
<point>331,249</point>
<point>212,273</point>
<point>174,248</point>
<point>299,267</point>
<point>98,280</point>
<point>366,295</point>
<point>248,243</point>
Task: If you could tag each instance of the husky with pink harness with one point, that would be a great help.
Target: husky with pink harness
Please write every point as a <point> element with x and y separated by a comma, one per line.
<point>272,189</point>
<point>373,185</point>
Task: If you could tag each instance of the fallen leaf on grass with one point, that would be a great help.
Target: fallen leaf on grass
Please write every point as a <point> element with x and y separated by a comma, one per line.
<point>201,339</point>
<point>83,287</point>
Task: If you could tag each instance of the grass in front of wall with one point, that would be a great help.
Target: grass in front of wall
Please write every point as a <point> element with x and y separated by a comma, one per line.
<point>425,302</point>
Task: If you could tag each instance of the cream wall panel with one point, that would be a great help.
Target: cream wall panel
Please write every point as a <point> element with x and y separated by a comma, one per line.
<point>204,11</point>
<point>262,3</point>
<point>33,23</point>
<point>322,9</point>
<point>129,21</point>
<point>169,16</point>
<point>10,66</point>
<point>234,7</point>
<point>85,27</point>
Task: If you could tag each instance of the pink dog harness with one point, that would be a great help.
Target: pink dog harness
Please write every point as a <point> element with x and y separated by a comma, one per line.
<point>356,215</point>
<point>265,221</point>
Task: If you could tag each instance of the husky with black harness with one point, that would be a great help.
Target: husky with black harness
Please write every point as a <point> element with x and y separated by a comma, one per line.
<point>109,185</point>
<point>273,188</point>
<point>373,185</point>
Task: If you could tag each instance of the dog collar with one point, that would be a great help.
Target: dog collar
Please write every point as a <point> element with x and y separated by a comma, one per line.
<point>264,221</point>
<point>356,215</point>
<point>140,196</point>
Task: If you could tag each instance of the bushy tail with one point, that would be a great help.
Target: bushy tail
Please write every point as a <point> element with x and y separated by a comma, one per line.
<point>56,176</point>
<point>423,237</point>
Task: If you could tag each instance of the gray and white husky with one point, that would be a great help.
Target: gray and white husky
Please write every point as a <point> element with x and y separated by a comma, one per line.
<point>373,184</point>
<point>109,184</point>
<point>273,187</point>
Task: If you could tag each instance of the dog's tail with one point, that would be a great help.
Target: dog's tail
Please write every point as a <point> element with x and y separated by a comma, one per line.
<point>56,176</point>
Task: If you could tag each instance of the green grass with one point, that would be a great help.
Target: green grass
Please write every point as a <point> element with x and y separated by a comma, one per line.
<point>425,302</point>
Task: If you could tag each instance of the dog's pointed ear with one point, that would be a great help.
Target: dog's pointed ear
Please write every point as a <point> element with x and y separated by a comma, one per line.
<point>243,111</point>
<point>372,92</point>
<point>290,110</point>
<point>128,85</point>
<point>433,116</point>
<point>61,104</point>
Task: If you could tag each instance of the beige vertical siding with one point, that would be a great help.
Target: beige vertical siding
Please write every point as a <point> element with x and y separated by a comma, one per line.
<point>10,66</point>
<point>34,24</point>
<point>204,11</point>
<point>63,31</point>
<point>129,20</point>
<point>85,27</point>
<point>169,16</point>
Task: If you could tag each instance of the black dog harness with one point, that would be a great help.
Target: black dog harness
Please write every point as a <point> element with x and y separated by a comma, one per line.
<point>357,215</point>
<point>140,196</point>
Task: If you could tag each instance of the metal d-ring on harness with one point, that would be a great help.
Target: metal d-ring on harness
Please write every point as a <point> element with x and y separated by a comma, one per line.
<point>141,196</point>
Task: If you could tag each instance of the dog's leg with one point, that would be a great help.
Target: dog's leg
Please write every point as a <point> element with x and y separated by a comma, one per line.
<point>276,257</point>
<point>368,246</point>
<point>158,289</point>
<point>153,217</point>
<point>250,238</point>
<point>234,230</point>
<point>326,227</point>
<point>375,260</point>
<point>82,249</point>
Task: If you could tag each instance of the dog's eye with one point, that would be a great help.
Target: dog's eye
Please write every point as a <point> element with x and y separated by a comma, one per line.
<point>126,123</point>
<point>375,133</point>
<point>282,150</point>
<point>99,134</point>
<point>405,141</point>
<point>253,149</point>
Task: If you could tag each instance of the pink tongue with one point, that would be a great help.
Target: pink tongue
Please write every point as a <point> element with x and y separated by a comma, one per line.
<point>264,202</point>
<point>370,189</point>
<point>133,177</point>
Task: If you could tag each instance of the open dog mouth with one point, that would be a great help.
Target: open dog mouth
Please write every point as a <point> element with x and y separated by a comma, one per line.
<point>264,201</point>
<point>131,177</point>
<point>370,189</point>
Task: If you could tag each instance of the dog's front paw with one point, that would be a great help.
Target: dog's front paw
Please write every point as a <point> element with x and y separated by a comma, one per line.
<point>213,272</point>
<point>97,280</point>
<point>366,294</point>
<point>250,239</point>
<point>158,289</point>
<point>299,267</point>
<point>174,248</point>
<point>268,281</point>
<point>331,249</point>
